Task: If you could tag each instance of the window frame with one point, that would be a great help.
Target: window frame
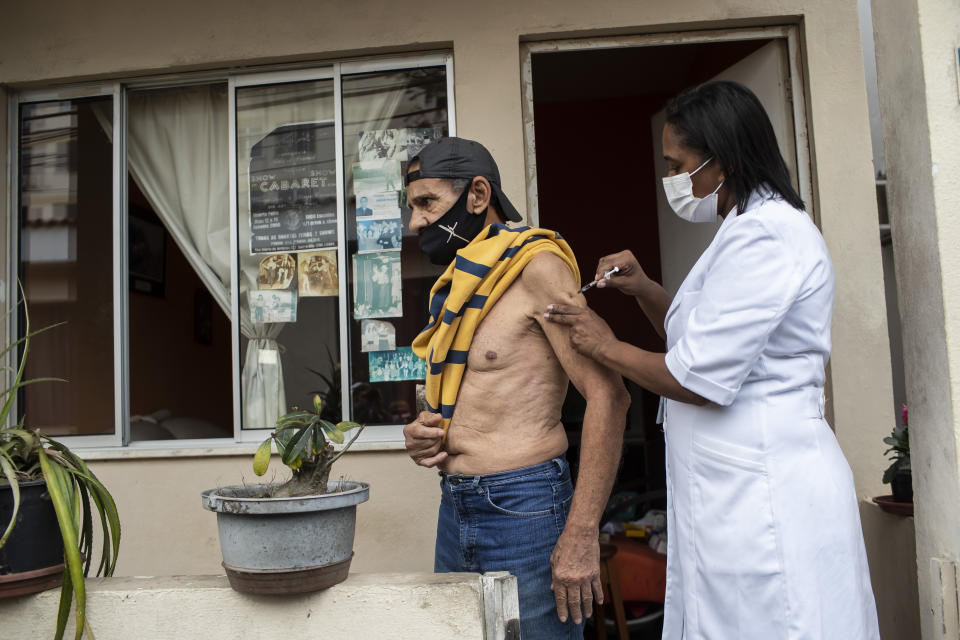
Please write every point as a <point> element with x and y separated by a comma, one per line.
<point>376,437</point>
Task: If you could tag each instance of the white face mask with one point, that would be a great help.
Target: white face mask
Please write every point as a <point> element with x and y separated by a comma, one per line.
<point>679,190</point>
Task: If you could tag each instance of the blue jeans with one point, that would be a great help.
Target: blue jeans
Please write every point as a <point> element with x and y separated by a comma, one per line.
<point>510,521</point>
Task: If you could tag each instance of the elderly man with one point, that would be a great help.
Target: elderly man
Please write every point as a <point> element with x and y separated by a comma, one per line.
<point>497,376</point>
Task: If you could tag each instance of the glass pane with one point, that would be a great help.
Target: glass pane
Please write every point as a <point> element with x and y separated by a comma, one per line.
<point>387,118</point>
<point>289,283</point>
<point>179,225</point>
<point>66,263</point>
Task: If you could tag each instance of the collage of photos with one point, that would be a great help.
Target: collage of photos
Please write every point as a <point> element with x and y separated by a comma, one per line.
<point>293,225</point>
<point>283,278</point>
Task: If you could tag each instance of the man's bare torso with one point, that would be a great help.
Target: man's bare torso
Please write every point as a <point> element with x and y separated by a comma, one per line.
<point>508,409</point>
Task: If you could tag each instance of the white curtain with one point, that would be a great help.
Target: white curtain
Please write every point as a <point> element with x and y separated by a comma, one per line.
<point>177,154</point>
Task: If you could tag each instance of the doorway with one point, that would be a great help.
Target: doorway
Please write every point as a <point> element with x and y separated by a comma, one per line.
<point>594,166</point>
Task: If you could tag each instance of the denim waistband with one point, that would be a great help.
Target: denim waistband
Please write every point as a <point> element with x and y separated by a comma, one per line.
<point>557,465</point>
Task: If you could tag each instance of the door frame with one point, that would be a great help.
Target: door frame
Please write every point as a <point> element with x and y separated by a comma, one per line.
<point>795,91</point>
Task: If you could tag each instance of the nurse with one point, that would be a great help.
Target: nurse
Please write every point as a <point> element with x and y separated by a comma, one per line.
<point>764,537</point>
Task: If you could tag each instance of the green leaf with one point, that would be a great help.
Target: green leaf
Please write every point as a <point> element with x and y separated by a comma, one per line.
<point>317,404</point>
<point>66,599</point>
<point>109,517</point>
<point>11,475</point>
<point>332,432</point>
<point>297,444</point>
<point>346,425</point>
<point>57,479</point>
<point>261,459</point>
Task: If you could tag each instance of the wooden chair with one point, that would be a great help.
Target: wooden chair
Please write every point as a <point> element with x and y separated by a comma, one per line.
<point>610,580</point>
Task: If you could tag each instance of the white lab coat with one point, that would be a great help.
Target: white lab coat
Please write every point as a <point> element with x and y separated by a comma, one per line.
<point>764,537</point>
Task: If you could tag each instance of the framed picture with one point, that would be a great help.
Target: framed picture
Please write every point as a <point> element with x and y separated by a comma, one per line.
<point>148,256</point>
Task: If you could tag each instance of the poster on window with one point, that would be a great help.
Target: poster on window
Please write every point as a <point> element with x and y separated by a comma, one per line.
<point>317,274</point>
<point>273,306</point>
<point>394,366</point>
<point>377,285</point>
<point>382,234</point>
<point>293,189</point>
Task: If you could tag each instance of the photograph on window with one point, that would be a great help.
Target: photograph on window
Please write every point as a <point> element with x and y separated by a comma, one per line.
<point>293,189</point>
<point>377,285</point>
<point>317,274</point>
<point>379,234</point>
<point>273,306</point>
<point>277,271</point>
<point>376,176</point>
<point>385,204</point>
<point>393,366</point>
<point>377,335</point>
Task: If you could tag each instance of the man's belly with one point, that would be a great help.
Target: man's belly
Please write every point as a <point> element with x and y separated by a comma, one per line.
<point>492,432</point>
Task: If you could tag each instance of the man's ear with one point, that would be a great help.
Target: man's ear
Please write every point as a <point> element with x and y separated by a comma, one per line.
<point>479,198</point>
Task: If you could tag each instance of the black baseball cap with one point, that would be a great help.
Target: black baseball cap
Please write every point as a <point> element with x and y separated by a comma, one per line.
<point>461,158</point>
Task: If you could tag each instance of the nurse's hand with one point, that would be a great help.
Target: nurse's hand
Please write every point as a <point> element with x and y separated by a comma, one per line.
<point>588,331</point>
<point>630,279</point>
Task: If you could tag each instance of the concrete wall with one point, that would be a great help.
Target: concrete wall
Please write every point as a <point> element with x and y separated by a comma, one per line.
<point>916,64</point>
<point>46,43</point>
<point>456,606</point>
<point>166,531</point>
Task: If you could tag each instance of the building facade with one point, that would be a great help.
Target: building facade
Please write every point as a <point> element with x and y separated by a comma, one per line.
<point>184,182</point>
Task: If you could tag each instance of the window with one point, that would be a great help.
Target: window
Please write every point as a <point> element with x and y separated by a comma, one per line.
<point>253,254</point>
<point>66,262</point>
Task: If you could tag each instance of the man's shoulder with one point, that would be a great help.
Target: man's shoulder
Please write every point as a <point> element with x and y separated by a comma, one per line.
<point>547,271</point>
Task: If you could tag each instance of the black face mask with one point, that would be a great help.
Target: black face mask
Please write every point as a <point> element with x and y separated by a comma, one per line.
<point>441,244</point>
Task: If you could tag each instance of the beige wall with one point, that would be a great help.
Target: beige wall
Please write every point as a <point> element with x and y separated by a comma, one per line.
<point>166,531</point>
<point>916,64</point>
<point>60,40</point>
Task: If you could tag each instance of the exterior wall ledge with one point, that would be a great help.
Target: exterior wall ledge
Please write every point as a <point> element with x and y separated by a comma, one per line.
<point>421,605</point>
<point>202,449</point>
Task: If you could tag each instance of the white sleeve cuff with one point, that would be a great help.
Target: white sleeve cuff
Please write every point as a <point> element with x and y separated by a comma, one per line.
<point>691,381</point>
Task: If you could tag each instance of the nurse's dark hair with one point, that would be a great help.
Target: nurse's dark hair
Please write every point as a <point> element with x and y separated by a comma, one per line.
<point>725,121</point>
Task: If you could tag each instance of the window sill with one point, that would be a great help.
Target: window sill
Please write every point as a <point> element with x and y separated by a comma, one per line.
<point>202,449</point>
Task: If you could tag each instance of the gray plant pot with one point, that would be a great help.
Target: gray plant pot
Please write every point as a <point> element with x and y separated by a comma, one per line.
<point>286,545</point>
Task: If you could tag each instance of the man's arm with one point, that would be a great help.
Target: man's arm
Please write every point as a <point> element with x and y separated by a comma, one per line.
<point>576,557</point>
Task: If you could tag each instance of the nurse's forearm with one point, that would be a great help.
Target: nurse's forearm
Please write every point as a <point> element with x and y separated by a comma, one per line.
<point>647,369</point>
<point>654,300</point>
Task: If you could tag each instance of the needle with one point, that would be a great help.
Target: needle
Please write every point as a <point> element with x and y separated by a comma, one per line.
<point>606,276</point>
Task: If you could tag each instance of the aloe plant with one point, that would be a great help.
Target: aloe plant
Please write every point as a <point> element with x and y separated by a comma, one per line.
<point>304,440</point>
<point>74,490</point>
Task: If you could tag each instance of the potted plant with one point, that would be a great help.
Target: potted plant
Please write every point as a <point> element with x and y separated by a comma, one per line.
<point>898,474</point>
<point>48,501</point>
<point>295,536</point>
